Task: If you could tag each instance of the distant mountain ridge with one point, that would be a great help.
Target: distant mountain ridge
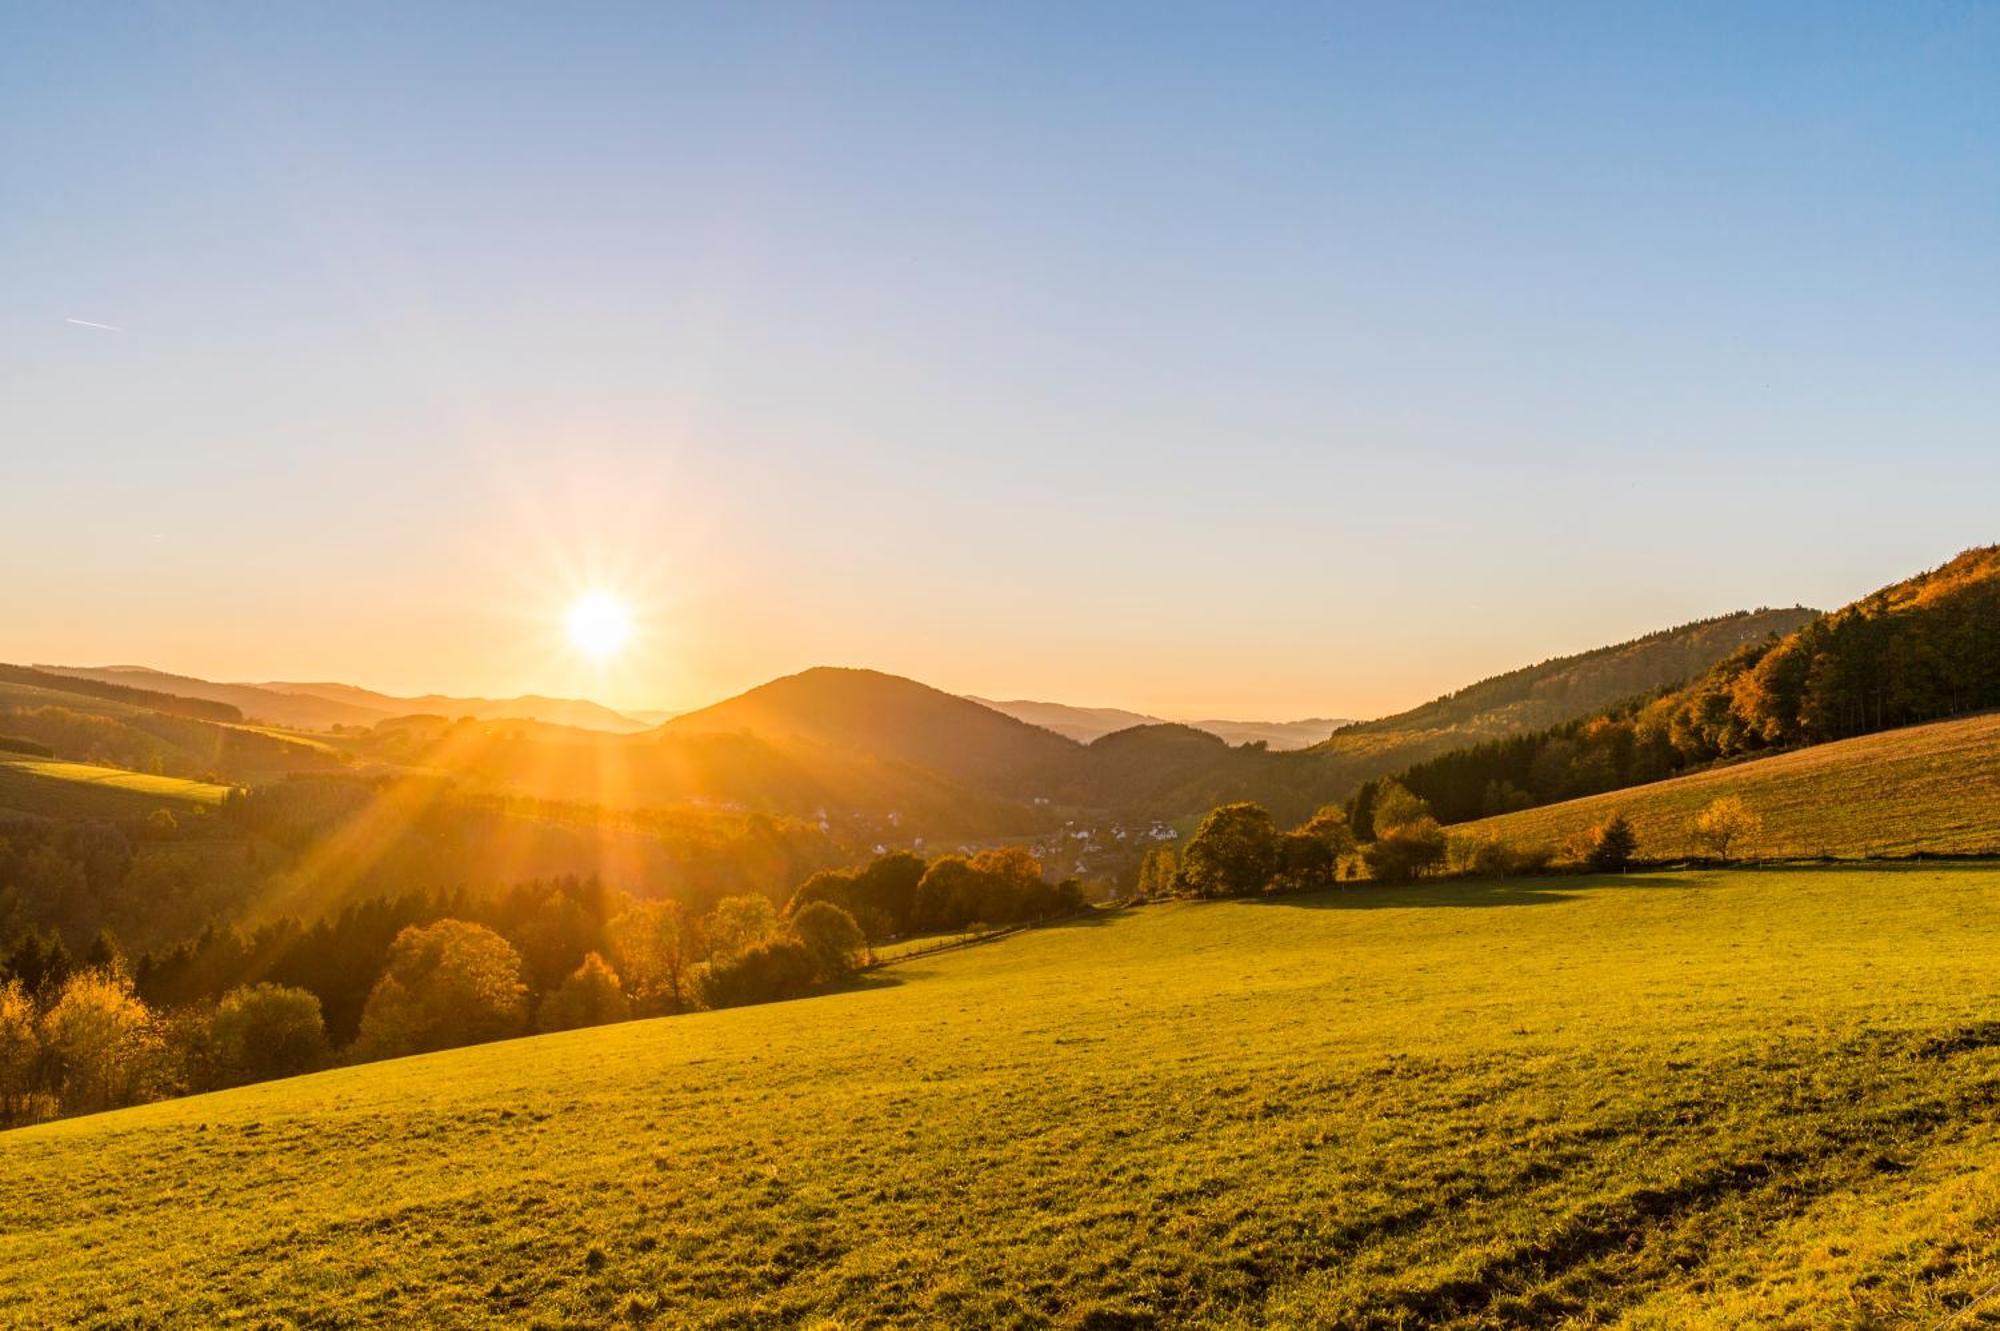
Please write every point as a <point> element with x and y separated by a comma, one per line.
<point>323,706</point>
<point>1087,724</point>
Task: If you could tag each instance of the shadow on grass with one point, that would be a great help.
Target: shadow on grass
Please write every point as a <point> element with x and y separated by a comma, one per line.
<point>1469,893</point>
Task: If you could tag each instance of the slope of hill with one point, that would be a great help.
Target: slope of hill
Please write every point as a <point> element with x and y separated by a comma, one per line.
<point>1741,1099</point>
<point>1087,724</point>
<point>1931,789</point>
<point>323,706</point>
<point>893,720</point>
<point>1921,650</point>
<point>1571,686</point>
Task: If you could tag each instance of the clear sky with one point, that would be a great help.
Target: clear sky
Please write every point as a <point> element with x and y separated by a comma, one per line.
<point>1207,360</point>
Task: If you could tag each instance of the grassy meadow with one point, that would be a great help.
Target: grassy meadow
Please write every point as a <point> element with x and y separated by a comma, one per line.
<point>1931,789</point>
<point>1701,1099</point>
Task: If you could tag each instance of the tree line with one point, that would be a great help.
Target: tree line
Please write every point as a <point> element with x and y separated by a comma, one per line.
<point>391,976</point>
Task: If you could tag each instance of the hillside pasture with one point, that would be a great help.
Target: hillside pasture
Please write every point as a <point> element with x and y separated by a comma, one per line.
<point>1932,790</point>
<point>54,789</point>
<point>1692,1099</point>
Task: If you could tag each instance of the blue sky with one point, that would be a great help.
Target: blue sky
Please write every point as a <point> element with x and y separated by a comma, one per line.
<point>1266,361</point>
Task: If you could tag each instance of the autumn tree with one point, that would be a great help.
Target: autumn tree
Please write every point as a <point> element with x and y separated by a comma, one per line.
<point>20,1051</point>
<point>449,983</point>
<point>1726,824</point>
<point>738,923</point>
<point>103,1041</point>
<point>649,941</point>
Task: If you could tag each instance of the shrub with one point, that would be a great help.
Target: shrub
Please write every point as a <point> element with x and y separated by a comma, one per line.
<point>267,1030</point>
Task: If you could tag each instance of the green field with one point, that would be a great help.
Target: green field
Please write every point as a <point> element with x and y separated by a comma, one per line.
<point>1932,789</point>
<point>1704,1099</point>
<point>54,788</point>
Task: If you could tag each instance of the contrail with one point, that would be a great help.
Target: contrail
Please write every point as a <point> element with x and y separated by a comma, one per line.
<point>91,323</point>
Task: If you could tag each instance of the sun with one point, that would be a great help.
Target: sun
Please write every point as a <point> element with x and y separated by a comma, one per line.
<point>598,625</point>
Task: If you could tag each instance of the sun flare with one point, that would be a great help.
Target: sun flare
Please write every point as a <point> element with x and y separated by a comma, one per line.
<point>598,625</point>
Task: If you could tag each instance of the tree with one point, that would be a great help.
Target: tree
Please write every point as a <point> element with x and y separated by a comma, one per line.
<point>262,1031</point>
<point>20,1051</point>
<point>103,1042</point>
<point>739,923</point>
<point>774,969</point>
<point>947,894</point>
<point>591,996</point>
<point>1408,841</point>
<point>1406,850</point>
<point>832,937</point>
<point>448,983</point>
<point>1233,853</point>
<point>835,886</point>
<point>1612,848</point>
<point>1305,862</point>
<point>1329,825</point>
<point>1159,873</point>
<point>1726,822</point>
<point>649,941</point>
<point>885,893</point>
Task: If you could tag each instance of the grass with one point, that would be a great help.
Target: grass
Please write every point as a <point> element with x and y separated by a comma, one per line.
<point>54,788</point>
<point>1931,789</point>
<point>1663,1101</point>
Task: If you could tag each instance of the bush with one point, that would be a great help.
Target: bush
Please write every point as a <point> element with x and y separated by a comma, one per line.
<point>1490,857</point>
<point>267,1030</point>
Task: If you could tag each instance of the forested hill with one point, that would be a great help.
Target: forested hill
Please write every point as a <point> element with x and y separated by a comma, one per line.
<point>896,720</point>
<point>1920,650</point>
<point>1570,686</point>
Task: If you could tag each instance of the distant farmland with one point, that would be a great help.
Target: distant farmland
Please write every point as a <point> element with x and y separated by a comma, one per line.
<point>1933,789</point>
<point>52,788</point>
<point>1668,1100</point>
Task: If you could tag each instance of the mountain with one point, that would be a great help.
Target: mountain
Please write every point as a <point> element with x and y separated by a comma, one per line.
<point>323,706</point>
<point>896,720</point>
<point>1085,724</point>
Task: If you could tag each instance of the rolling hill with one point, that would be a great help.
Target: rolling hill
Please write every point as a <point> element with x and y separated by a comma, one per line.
<point>1704,1099</point>
<point>892,720</point>
<point>1931,789</point>
<point>1088,724</point>
<point>323,706</point>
